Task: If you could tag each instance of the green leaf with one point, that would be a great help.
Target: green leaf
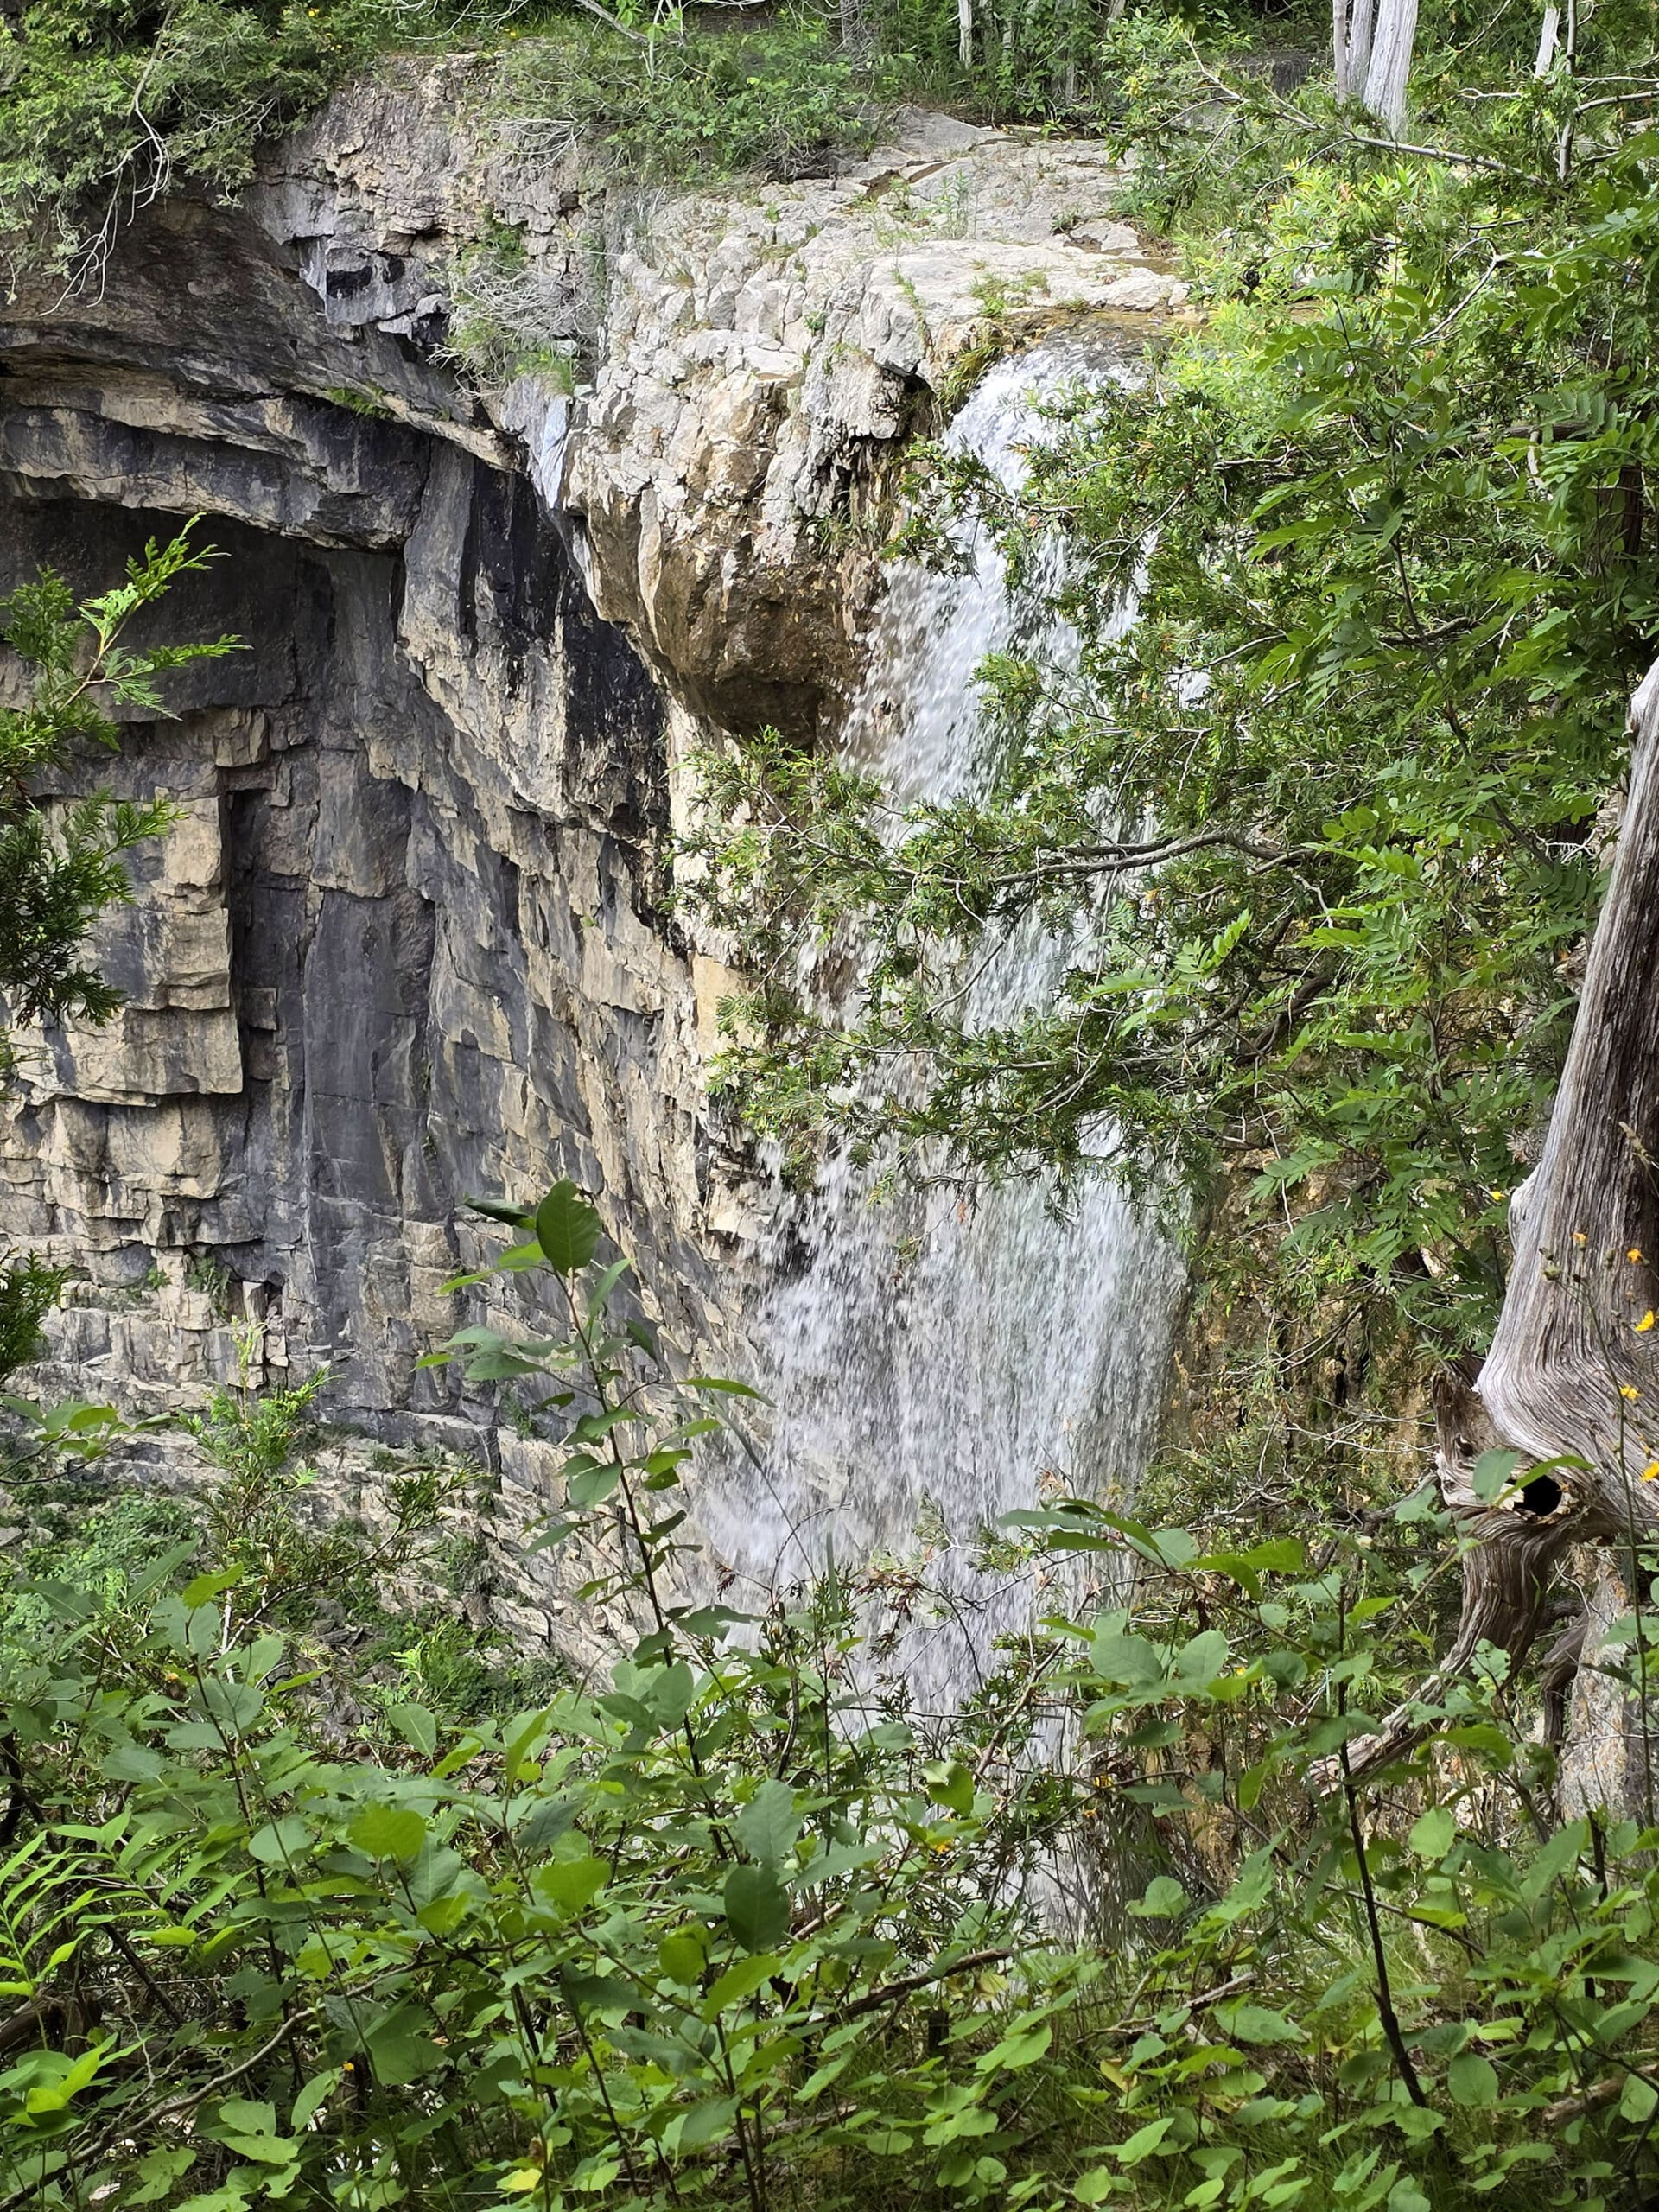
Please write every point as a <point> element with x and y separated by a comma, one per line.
<point>389,1832</point>
<point>313,2097</point>
<point>400,2047</point>
<point>68,2077</point>
<point>1405,2196</point>
<point>1256,2024</point>
<point>567,1229</point>
<point>757,1907</point>
<point>1638,2099</point>
<point>1494,1473</point>
<point>157,2170</point>
<point>706,2122</point>
<point>949,1783</point>
<point>570,1883</point>
<point>768,1825</point>
<point>496,1210</point>
<point>416,1725</point>
<point>206,1586</point>
<point>1144,2142</point>
<point>1021,2047</point>
<point>1471,2080</point>
<point>278,1842</point>
<point>1163,1901</point>
<point>682,1954</point>
<point>1095,2186</point>
<point>738,1981</point>
<point>1433,1834</point>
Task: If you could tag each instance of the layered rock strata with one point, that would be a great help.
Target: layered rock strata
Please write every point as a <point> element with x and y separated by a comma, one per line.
<point>409,938</point>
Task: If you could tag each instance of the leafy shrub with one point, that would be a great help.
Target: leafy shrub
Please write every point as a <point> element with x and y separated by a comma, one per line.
<point>709,104</point>
<point>104,105</point>
<point>719,1930</point>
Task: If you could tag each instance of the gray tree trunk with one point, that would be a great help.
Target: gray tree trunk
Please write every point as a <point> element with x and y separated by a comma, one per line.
<point>1390,63</point>
<point>1573,1373</point>
<point>1351,34</point>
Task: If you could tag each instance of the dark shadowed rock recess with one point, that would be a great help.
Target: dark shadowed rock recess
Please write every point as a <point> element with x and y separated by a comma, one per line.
<point>409,939</point>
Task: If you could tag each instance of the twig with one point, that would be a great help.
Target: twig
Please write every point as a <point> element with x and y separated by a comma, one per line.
<point>873,1999</point>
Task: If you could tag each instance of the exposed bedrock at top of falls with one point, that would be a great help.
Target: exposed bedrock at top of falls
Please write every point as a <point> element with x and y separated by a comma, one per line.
<point>408,939</point>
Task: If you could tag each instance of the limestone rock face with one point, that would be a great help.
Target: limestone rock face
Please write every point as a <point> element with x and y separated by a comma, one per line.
<point>751,365</point>
<point>408,939</point>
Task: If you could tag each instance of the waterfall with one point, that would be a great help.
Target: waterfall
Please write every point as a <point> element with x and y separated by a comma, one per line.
<point>934,1361</point>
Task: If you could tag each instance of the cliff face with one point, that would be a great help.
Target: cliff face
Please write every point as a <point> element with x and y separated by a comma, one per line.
<point>409,938</point>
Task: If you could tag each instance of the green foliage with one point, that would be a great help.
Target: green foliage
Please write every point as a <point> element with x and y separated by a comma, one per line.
<point>701,104</point>
<point>29,1291</point>
<point>715,1928</point>
<point>104,105</point>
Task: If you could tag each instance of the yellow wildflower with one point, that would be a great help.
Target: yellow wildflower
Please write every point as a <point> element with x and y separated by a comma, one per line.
<point>1499,1195</point>
<point>1579,1237</point>
<point>1634,1256</point>
<point>1651,1472</point>
<point>1645,1323</point>
<point>1628,1390</point>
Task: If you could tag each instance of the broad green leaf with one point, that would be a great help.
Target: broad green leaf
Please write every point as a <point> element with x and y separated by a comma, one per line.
<point>156,2171</point>
<point>682,1954</point>
<point>1405,2196</point>
<point>389,1832</point>
<point>1164,1899</point>
<point>1638,2099</point>
<point>312,2098</point>
<point>949,1783</point>
<point>1144,2142</point>
<point>68,2077</point>
<point>570,1883</point>
<point>280,1841</point>
<point>768,1825</point>
<point>567,1229</point>
<point>757,1907</point>
<point>1471,2080</point>
<point>207,1586</point>
<point>738,1982</point>
<point>1256,2024</point>
<point>1020,2047</point>
<point>1433,1834</point>
<point>706,2122</point>
<point>401,2046</point>
<point>416,1725</point>
<point>1494,1473</point>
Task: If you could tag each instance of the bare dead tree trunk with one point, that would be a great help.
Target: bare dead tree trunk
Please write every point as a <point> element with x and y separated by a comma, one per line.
<point>1573,1374</point>
<point>1390,63</point>
<point>1350,38</point>
<point>1608,1751</point>
<point>1549,37</point>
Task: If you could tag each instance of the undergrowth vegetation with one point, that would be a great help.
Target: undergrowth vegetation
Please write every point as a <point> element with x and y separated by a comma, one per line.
<point>713,1919</point>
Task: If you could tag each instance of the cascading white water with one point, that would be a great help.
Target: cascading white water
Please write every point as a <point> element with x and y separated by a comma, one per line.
<point>933,1362</point>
